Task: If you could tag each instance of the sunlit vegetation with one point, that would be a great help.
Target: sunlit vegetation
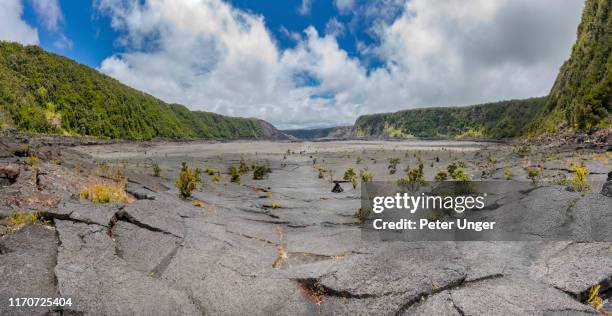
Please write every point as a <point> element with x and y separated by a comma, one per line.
<point>360,214</point>
<point>98,191</point>
<point>393,162</point>
<point>46,93</point>
<point>441,176</point>
<point>365,175</point>
<point>533,174</point>
<point>322,172</point>
<point>187,181</point>
<point>197,203</point>
<point>33,160</point>
<point>156,169</point>
<point>492,120</point>
<point>20,219</point>
<point>581,96</point>
<point>413,177</point>
<point>350,175</point>
<point>234,174</point>
<point>243,168</point>
<point>210,171</point>
<point>260,171</point>
<point>580,178</point>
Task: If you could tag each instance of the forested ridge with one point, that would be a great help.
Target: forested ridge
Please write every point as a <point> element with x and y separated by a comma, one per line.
<point>579,99</point>
<point>45,93</point>
<point>503,119</point>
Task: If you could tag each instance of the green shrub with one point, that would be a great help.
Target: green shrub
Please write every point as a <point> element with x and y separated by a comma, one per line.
<point>234,174</point>
<point>393,162</point>
<point>210,171</point>
<point>365,175</point>
<point>441,176</point>
<point>156,170</point>
<point>533,174</point>
<point>260,172</point>
<point>186,182</point>
<point>579,181</point>
<point>243,168</point>
<point>350,175</point>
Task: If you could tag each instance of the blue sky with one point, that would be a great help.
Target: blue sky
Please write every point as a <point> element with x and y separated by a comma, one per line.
<point>309,63</point>
<point>93,38</point>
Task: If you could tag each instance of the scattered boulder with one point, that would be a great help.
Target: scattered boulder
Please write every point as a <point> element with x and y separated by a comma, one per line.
<point>337,188</point>
<point>9,172</point>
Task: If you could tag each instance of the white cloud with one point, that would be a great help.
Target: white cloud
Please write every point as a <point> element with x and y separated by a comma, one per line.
<point>211,56</point>
<point>12,26</point>
<point>49,12</point>
<point>334,27</point>
<point>305,7</point>
<point>344,5</point>
<point>63,42</point>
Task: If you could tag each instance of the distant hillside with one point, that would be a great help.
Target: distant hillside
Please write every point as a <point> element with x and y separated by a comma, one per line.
<point>503,119</point>
<point>45,93</point>
<point>339,132</point>
<point>580,97</point>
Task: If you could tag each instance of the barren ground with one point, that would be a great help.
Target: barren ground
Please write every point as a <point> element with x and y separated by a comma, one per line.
<point>236,254</point>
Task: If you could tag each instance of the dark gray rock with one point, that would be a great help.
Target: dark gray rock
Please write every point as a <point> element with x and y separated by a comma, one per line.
<point>439,304</point>
<point>579,266</point>
<point>156,215</point>
<point>27,260</point>
<point>337,188</point>
<point>100,214</point>
<point>517,296</point>
<point>144,250</point>
<point>98,281</point>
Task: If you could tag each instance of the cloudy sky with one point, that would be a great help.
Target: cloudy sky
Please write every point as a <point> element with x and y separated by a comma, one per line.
<point>309,63</point>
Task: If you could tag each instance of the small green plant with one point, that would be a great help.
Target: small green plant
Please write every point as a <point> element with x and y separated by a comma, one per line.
<point>523,150</point>
<point>276,204</point>
<point>186,182</point>
<point>215,179</point>
<point>198,175</point>
<point>413,177</point>
<point>441,176</point>
<point>33,160</point>
<point>579,182</point>
<point>350,175</point>
<point>508,172</point>
<point>20,219</point>
<point>234,174</point>
<point>460,175</point>
<point>533,174</point>
<point>156,169</point>
<point>365,175</point>
<point>210,171</point>
<point>358,160</point>
<point>322,172</point>
<point>260,172</point>
<point>243,168</point>
<point>360,215</point>
<point>594,299</point>
<point>393,162</point>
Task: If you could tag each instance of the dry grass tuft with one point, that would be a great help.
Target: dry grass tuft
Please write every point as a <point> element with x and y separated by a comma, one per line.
<point>105,192</point>
<point>20,219</point>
